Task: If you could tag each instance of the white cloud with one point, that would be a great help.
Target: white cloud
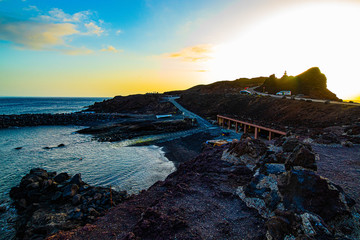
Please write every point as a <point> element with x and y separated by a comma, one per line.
<point>31,8</point>
<point>198,53</point>
<point>58,15</point>
<point>34,35</point>
<point>92,28</point>
<point>111,49</point>
<point>76,51</point>
<point>118,32</point>
<point>52,31</point>
<point>82,20</point>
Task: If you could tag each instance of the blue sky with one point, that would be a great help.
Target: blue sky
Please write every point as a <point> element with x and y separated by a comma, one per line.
<point>107,48</point>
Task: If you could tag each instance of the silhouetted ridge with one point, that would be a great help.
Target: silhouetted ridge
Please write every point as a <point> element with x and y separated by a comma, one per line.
<point>311,83</point>
<point>223,86</point>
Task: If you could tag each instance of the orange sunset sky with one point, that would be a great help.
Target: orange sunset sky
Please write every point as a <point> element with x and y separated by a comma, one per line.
<point>84,48</point>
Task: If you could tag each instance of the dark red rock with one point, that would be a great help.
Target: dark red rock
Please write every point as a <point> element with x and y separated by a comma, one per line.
<point>278,227</point>
<point>304,190</point>
<point>253,147</point>
<point>302,156</point>
<point>355,130</point>
<point>43,206</point>
<point>290,144</point>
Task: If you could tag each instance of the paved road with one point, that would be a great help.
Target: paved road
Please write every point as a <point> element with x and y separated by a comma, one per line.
<point>300,98</point>
<point>203,127</point>
<point>202,122</point>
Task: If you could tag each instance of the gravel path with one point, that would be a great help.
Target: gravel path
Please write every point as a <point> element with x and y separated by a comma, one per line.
<point>342,166</point>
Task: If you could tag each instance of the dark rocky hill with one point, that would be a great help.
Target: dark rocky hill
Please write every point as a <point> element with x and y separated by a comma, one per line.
<point>152,104</point>
<point>136,104</point>
<point>227,86</point>
<point>311,83</point>
<point>268,110</point>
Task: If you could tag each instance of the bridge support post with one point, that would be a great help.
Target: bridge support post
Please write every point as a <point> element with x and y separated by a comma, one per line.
<point>222,122</point>
<point>236,127</point>
<point>270,135</point>
<point>256,133</point>
<point>229,124</point>
<point>245,128</point>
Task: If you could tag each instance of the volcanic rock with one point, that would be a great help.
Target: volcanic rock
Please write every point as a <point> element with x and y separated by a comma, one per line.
<point>290,144</point>
<point>304,190</point>
<point>70,190</point>
<point>311,83</point>
<point>43,205</point>
<point>246,151</point>
<point>302,156</point>
<point>62,177</point>
<point>76,179</point>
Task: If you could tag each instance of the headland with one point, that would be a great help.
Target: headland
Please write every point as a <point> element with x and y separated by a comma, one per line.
<point>244,189</point>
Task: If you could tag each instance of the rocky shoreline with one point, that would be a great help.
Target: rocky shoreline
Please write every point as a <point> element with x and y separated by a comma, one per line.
<point>243,190</point>
<point>132,128</point>
<point>80,119</point>
<point>246,189</point>
<point>47,202</point>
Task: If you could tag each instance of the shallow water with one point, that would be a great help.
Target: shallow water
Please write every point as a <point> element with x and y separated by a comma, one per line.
<point>100,163</point>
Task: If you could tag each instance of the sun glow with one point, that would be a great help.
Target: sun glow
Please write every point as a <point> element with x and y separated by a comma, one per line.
<point>293,40</point>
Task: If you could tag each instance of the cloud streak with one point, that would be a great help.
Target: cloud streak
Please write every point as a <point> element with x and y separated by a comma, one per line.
<point>198,53</point>
<point>111,49</point>
<point>58,15</point>
<point>36,36</point>
<point>92,28</point>
<point>53,31</point>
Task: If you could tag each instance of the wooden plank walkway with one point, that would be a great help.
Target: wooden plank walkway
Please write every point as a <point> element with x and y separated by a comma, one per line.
<point>247,126</point>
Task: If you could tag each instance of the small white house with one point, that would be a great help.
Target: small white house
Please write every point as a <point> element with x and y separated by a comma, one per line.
<point>284,93</point>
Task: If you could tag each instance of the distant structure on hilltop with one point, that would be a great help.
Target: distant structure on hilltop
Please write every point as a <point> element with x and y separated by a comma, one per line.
<point>311,83</point>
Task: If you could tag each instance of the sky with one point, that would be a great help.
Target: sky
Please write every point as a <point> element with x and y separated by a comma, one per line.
<point>122,47</point>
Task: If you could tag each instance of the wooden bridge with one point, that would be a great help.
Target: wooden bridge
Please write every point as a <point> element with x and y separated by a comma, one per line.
<point>247,127</point>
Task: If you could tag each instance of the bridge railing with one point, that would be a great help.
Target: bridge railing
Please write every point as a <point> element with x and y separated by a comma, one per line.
<point>221,121</point>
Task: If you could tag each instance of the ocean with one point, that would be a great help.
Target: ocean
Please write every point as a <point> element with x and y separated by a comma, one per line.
<point>100,163</point>
<point>26,105</point>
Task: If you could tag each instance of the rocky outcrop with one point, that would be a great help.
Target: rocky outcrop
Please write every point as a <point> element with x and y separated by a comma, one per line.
<point>303,190</point>
<point>80,119</point>
<point>247,151</point>
<point>302,156</point>
<point>223,87</point>
<point>198,201</point>
<point>297,203</point>
<point>135,104</point>
<point>345,135</point>
<point>311,83</point>
<point>271,112</point>
<point>137,128</point>
<point>48,202</point>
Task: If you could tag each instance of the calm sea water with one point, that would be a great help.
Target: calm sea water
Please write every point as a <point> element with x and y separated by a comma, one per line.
<point>25,105</point>
<point>100,163</point>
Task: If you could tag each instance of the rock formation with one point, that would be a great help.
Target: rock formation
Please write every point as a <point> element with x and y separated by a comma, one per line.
<point>311,83</point>
<point>48,202</point>
<point>297,203</point>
